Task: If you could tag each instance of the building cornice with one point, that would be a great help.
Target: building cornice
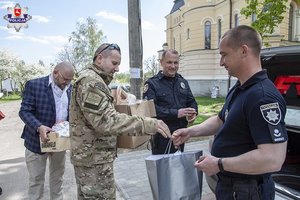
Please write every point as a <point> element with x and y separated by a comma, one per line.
<point>199,7</point>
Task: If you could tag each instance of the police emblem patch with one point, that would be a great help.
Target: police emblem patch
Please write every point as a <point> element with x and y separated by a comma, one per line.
<point>182,85</point>
<point>277,133</point>
<point>146,87</point>
<point>271,113</point>
<point>17,17</point>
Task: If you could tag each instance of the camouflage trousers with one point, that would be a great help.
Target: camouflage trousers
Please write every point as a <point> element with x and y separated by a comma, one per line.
<point>96,182</point>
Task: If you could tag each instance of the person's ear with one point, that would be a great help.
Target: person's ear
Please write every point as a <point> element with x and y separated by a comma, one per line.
<point>55,72</point>
<point>244,50</point>
<point>99,58</point>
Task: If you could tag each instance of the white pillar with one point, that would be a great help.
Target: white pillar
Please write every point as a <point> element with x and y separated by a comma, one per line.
<point>297,25</point>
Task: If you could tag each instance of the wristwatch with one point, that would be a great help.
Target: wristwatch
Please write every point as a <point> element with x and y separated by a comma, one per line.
<point>220,164</point>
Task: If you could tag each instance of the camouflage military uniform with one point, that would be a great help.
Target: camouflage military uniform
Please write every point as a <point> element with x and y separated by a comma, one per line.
<point>94,127</point>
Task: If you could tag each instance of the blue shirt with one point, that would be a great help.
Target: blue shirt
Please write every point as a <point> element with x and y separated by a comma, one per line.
<point>253,114</point>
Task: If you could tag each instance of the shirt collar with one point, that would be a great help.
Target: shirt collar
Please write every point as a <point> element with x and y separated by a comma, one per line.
<point>161,75</point>
<point>50,79</point>
<point>107,78</point>
<point>257,77</point>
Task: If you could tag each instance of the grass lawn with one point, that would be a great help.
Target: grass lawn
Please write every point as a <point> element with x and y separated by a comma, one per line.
<point>11,97</point>
<point>208,107</point>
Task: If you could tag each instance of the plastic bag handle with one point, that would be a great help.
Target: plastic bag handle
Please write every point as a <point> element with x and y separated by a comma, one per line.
<point>168,148</point>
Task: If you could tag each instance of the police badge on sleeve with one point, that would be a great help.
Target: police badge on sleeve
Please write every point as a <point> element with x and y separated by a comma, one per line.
<point>272,114</point>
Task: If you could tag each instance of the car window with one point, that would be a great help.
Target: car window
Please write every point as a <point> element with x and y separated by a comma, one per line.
<point>292,116</point>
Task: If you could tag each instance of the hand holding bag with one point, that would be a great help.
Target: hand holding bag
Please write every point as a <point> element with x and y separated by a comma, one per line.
<point>174,177</point>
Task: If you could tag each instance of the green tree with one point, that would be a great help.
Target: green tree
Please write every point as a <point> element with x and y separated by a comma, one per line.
<point>269,13</point>
<point>122,78</point>
<point>23,73</point>
<point>151,67</point>
<point>6,66</point>
<point>82,44</point>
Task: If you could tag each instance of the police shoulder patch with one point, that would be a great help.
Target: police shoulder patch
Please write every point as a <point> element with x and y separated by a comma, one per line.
<point>271,113</point>
<point>182,85</point>
<point>278,133</point>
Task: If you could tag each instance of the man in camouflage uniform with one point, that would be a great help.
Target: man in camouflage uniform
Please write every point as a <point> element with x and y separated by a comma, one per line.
<point>95,125</point>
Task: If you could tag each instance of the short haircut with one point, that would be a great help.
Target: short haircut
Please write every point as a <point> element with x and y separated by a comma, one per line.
<point>173,51</point>
<point>102,49</point>
<point>244,35</point>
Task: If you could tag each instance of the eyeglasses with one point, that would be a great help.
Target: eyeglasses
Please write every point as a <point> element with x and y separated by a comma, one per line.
<point>64,78</point>
<point>111,46</point>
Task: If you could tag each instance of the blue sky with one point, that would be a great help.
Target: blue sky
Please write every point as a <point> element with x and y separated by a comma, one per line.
<point>54,20</point>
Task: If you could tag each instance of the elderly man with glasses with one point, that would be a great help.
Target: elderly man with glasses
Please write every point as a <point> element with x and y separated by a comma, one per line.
<point>95,125</point>
<point>45,102</point>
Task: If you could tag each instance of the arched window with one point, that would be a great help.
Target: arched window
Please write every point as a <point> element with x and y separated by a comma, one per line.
<point>188,34</point>
<point>236,20</point>
<point>207,35</point>
<point>219,30</point>
<point>291,20</point>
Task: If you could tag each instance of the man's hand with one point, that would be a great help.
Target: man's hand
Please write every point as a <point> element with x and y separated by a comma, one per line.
<point>191,118</point>
<point>180,136</point>
<point>184,112</point>
<point>207,164</point>
<point>163,129</point>
<point>43,131</point>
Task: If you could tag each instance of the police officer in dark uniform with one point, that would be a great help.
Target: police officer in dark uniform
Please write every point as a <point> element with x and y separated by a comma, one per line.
<point>250,136</point>
<point>174,101</point>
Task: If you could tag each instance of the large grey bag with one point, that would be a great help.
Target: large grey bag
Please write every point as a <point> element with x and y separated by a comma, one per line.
<point>174,177</point>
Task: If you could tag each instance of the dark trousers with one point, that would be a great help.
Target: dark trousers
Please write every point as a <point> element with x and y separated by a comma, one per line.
<point>159,145</point>
<point>245,188</point>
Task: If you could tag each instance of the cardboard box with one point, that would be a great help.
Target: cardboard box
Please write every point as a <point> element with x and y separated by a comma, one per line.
<point>131,142</point>
<point>140,108</point>
<point>56,143</point>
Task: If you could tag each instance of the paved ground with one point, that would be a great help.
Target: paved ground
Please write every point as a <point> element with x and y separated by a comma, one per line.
<point>130,171</point>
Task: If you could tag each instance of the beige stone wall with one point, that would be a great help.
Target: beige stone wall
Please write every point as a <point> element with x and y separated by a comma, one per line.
<point>196,62</point>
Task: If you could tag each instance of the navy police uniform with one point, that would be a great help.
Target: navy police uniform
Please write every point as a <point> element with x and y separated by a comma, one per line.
<point>169,95</point>
<point>253,114</point>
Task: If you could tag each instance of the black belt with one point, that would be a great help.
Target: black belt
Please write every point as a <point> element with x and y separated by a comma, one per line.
<point>228,180</point>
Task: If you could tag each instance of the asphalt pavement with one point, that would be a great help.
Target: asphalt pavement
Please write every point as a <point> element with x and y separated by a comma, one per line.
<point>129,167</point>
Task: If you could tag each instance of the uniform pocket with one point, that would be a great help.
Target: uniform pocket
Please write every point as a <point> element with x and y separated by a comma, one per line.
<point>247,190</point>
<point>164,98</point>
